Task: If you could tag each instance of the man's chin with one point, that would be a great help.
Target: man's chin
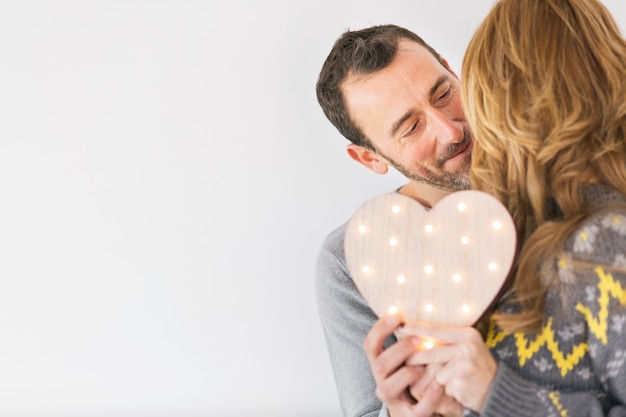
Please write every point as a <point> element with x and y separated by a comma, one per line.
<point>448,182</point>
<point>458,185</point>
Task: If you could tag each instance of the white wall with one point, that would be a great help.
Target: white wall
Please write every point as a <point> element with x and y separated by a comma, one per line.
<point>166,178</point>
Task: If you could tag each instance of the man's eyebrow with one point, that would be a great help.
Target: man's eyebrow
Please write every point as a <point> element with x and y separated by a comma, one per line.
<point>440,81</point>
<point>405,116</point>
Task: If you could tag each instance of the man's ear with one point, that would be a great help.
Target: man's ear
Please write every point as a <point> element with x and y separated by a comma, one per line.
<point>368,158</point>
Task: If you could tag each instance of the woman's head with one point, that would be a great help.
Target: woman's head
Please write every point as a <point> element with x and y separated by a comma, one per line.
<point>544,92</point>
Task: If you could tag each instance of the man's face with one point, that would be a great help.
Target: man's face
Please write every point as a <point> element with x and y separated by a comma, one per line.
<point>411,112</point>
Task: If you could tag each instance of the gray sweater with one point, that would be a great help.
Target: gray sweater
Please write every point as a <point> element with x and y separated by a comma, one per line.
<point>346,319</point>
<point>575,367</point>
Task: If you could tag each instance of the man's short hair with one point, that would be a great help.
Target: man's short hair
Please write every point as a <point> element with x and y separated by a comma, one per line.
<point>355,53</point>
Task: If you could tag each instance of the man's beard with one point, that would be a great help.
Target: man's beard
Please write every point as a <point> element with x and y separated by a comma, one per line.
<point>448,181</point>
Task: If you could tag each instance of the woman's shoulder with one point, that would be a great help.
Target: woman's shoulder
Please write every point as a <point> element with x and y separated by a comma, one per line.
<point>601,237</point>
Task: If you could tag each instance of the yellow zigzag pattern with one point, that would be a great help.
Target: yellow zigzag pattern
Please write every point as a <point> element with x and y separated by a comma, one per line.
<point>608,288</point>
<point>554,397</point>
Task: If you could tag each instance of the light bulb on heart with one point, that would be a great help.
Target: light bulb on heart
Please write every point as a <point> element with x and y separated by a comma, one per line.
<point>443,265</point>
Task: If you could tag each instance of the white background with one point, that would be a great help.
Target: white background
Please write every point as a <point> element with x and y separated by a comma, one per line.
<point>166,179</point>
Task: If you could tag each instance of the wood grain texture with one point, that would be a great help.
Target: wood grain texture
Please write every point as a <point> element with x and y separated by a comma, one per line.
<point>452,260</point>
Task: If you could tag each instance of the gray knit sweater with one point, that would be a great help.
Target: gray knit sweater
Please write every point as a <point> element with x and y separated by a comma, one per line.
<point>346,319</point>
<point>575,367</point>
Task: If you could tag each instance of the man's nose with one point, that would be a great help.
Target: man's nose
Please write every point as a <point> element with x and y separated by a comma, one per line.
<point>447,128</point>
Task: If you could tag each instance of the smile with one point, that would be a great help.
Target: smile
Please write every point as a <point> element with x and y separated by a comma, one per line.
<point>463,149</point>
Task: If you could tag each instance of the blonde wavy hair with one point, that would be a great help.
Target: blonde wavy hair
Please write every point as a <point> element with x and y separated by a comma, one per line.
<point>544,91</point>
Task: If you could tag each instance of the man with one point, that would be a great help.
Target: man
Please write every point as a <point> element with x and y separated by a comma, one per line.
<point>397,102</point>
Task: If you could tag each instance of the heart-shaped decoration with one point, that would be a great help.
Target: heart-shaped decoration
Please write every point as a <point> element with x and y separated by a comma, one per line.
<point>443,265</point>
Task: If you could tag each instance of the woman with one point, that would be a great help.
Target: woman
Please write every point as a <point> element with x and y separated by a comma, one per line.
<point>544,85</point>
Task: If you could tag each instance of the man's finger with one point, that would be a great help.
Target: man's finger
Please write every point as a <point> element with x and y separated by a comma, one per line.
<point>418,388</point>
<point>427,405</point>
<point>394,357</point>
<point>437,355</point>
<point>373,344</point>
<point>394,386</point>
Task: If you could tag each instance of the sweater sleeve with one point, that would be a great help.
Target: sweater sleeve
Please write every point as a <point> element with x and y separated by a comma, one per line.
<point>346,319</point>
<point>512,395</point>
<point>598,293</point>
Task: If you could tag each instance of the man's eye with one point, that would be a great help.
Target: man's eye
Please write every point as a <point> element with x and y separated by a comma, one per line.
<point>412,129</point>
<point>445,94</point>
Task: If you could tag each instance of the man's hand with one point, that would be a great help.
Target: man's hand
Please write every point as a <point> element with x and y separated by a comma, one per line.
<point>408,391</point>
<point>464,365</point>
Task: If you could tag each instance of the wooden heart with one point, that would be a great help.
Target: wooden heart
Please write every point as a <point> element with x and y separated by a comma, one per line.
<point>443,265</point>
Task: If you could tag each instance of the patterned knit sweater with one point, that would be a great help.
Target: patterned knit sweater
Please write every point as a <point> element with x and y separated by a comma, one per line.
<point>576,364</point>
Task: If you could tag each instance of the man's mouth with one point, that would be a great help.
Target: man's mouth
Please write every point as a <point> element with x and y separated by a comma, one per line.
<point>465,147</point>
<point>455,150</point>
